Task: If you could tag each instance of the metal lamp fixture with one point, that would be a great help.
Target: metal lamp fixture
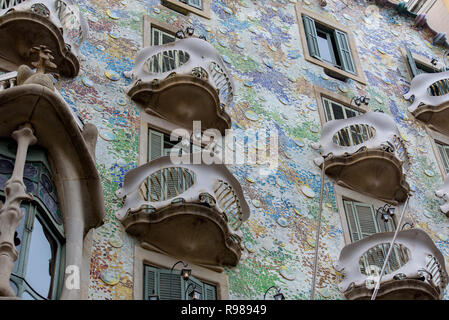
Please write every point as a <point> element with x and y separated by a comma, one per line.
<point>277,296</point>
<point>194,294</point>
<point>359,100</point>
<point>386,212</point>
<point>190,31</point>
<point>180,34</point>
<point>185,273</point>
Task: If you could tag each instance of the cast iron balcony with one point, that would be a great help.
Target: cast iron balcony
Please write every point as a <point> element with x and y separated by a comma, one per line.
<point>366,154</point>
<point>56,24</point>
<point>183,81</point>
<point>190,211</point>
<point>431,100</point>
<point>415,269</point>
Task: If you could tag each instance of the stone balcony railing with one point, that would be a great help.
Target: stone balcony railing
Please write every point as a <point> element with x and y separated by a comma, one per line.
<point>365,153</point>
<point>415,269</point>
<point>431,100</point>
<point>184,80</point>
<point>8,80</point>
<point>186,210</point>
<point>56,24</point>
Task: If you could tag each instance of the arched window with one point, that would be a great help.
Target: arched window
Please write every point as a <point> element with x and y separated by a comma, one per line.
<point>38,270</point>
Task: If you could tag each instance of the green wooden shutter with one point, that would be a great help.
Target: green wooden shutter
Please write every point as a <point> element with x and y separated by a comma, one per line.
<point>150,282</point>
<point>344,51</point>
<point>366,219</point>
<point>352,221</point>
<point>155,151</point>
<point>444,154</point>
<point>411,63</point>
<point>177,285</point>
<point>210,292</point>
<point>311,37</point>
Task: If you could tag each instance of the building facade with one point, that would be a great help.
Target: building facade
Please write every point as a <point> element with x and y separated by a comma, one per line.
<point>310,135</point>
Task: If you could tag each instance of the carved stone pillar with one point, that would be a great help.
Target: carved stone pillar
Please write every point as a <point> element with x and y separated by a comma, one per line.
<point>10,212</point>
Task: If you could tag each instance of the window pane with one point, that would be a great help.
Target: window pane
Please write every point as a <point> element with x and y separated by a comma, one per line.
<point>155,37</point>
<point>41,255</point>
<point>323,44</point>
<point>338,111</point>
<point>166,38</point>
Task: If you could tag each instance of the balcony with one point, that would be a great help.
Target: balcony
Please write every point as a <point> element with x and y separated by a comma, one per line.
<point>183,81</point>
<point>443,193</point>
<point>189,211</point>
<point>415,269</point>
<point>26,24</point>
<point>431,100</point>
<point>366,154</point>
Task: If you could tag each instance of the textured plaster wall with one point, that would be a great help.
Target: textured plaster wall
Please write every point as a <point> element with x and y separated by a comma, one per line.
<point>259,41</point>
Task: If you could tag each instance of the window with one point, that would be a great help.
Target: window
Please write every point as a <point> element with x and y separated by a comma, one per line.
<point>169,285</point>
<point>351,135</point>
<point>37,272</point>
<point>166,60</point>
<point>417,66</point>
<point>335,111</point>
<point>193,3</point>
<point>363,221</point>
<point>444,154</point>
<point>168,181</point>
<point>159,37</point>
<point>198,7</point>
<point>329,45</point>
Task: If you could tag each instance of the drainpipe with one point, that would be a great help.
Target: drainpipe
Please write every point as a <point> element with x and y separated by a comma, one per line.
<point>376,289</point>
<point>317,239</point>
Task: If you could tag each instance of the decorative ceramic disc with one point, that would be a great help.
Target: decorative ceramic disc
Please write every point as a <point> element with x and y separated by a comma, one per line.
<point>282,222</point>
<point>110,277</point>
<point>287,273</point>
<point>308,192</point>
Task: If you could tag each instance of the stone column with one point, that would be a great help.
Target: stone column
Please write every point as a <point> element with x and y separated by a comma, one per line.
<point>10,212</point>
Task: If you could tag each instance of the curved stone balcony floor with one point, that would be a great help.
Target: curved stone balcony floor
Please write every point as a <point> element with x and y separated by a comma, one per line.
<point>375,165</point>
<point>431,100</point>
<point>197,221</point>
<point>61,29</point>
<point>183,81</point>
<point>417,271</point>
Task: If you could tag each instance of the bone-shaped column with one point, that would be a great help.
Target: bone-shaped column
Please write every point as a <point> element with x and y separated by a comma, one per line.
<point>10,212</point>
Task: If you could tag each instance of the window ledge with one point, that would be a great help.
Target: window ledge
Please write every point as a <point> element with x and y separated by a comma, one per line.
<point>185,8</point>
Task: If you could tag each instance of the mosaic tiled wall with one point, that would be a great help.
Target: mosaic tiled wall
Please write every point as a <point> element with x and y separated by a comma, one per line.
<point>259,41</point>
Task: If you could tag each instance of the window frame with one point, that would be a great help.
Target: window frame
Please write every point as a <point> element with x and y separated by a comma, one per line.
<point>436,137</point>
<point>150,23</point>
<point>419,59</point>
<point>358,74</point>
<point>342,193</point>
<point>185,8</point>
<point>321,93</point>
<point>145,254</point>
<point>184,284</point>
<point>36,209</point>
